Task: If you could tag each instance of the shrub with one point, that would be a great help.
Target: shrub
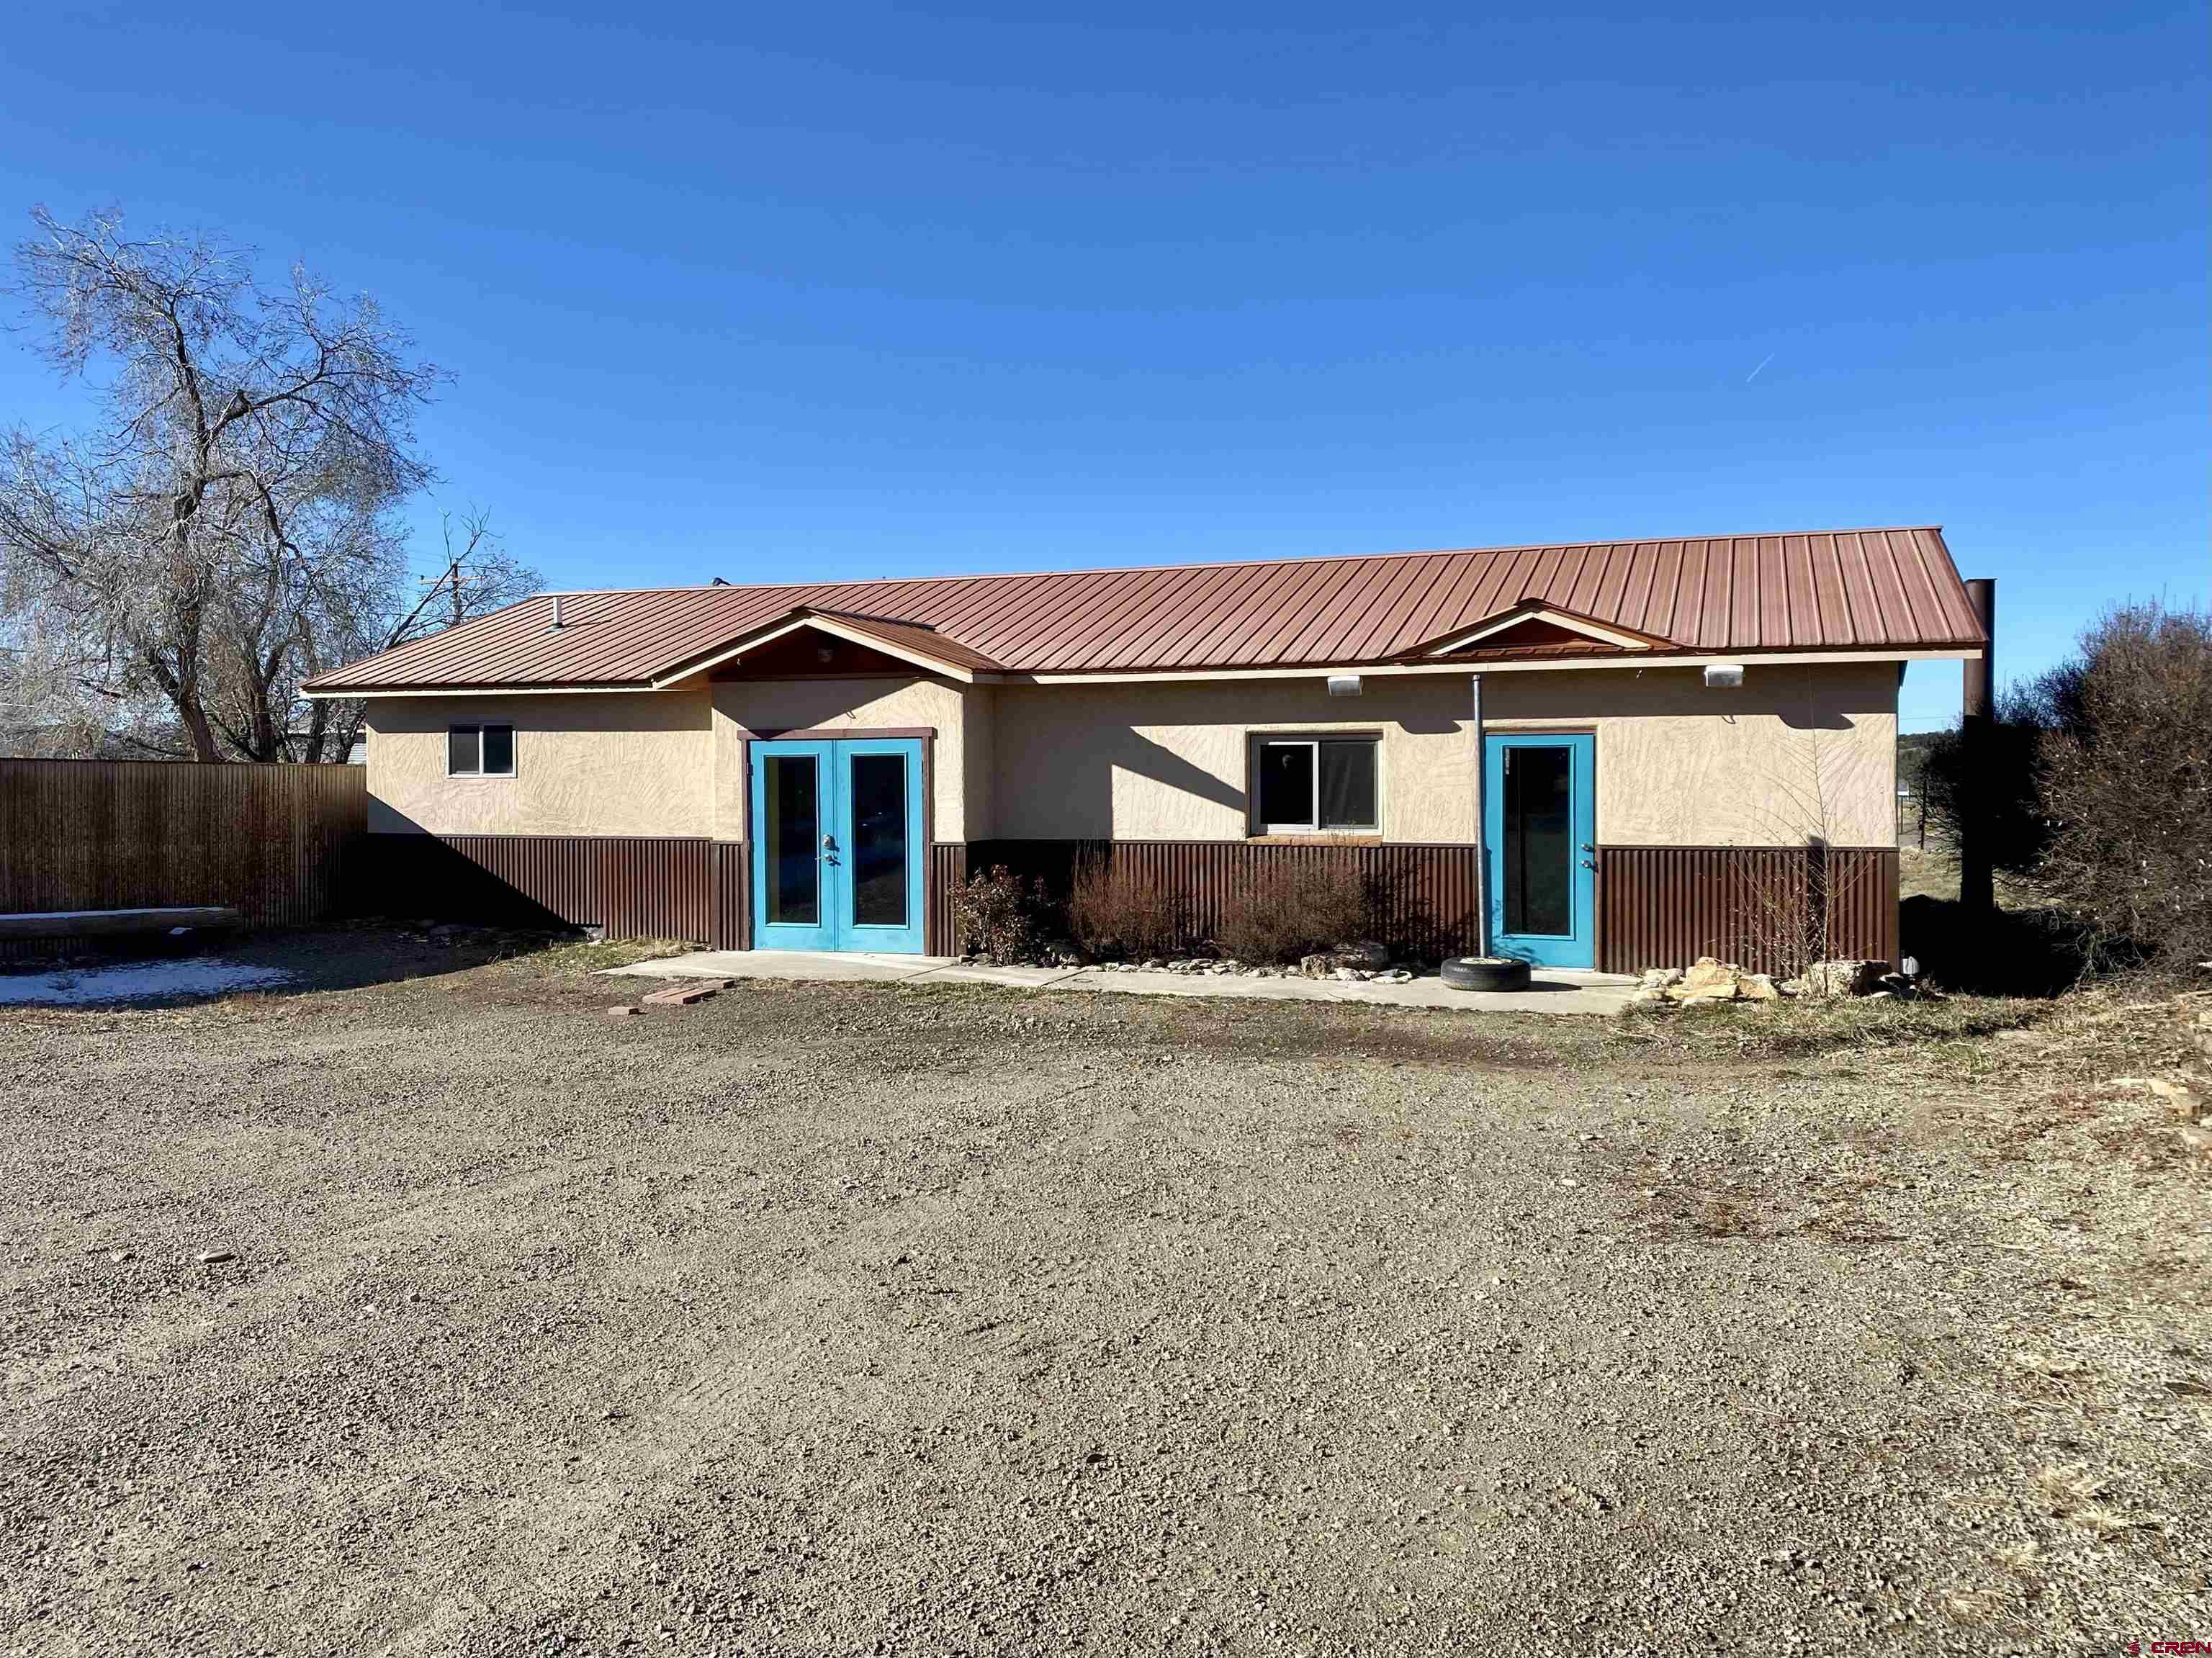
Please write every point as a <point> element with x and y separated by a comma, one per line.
<point>2094,782</point>
<point>1000,918</point>
<point>1988,789</point>
<point>1293,909</point>
<point>1114,909</point>
<point>2126,783</point>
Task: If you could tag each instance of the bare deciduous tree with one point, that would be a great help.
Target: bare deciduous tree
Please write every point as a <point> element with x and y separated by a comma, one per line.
<point>474,576</point>
<point>231,525</point>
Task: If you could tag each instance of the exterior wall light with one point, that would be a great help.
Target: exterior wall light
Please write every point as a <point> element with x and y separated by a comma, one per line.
<point>1724,676</point>
<point>1344,684</point>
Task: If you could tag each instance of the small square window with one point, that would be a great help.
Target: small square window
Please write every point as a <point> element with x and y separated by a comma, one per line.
<point>1317,785</point>
<point>480,750</point>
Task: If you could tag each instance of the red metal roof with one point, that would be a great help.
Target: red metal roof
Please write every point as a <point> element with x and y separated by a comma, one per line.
<point>1840,590</point>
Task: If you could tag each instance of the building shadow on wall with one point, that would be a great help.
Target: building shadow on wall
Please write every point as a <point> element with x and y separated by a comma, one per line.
<point>1082,808</point>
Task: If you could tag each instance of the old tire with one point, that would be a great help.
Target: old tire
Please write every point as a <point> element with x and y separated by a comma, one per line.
<point>1479,973</point>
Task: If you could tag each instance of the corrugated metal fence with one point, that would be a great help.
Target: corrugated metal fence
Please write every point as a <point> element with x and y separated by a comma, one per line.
<point>636,886</point>
<point>1422,898</point>
<point>1759,907</point>
<point>276,842</point>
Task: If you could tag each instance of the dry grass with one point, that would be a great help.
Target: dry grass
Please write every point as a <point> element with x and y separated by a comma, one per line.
<point>1928,872</point>
<point>584,956</point>
<point>1789,1028</point>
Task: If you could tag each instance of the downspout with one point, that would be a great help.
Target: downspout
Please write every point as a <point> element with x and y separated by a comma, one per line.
<point>1481,852</point>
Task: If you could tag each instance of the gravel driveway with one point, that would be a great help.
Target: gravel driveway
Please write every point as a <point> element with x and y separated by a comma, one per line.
<point>857,1319</point>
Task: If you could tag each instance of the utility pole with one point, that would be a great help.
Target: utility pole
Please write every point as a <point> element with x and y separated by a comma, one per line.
<point>1977,879</point>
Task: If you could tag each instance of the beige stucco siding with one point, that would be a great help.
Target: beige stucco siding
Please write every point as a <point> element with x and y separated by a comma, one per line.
<point>1169,761</point>
<point>638,763</point>
<point>980,744</point>
<point>659,762</point>
<point>1793,752</point>
<point>775,705</point>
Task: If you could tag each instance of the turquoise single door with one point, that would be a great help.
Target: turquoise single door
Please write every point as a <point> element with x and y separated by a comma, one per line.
<point>1540,835</point>
<point>837,845</point>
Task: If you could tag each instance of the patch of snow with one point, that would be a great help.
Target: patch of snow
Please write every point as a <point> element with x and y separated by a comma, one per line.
<point>135,981</point>
<point>90,915</point>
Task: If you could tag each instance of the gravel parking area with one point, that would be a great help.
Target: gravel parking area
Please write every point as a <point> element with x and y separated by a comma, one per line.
<point>444,1314</point>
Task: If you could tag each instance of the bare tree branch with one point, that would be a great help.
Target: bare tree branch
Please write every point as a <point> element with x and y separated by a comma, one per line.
<point>232,523</point>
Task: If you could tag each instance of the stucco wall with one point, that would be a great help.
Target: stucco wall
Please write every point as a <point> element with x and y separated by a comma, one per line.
<point>1169,761</point>
<point>1791,753</point>
<point>629,764</point>
<point>771,705</point>
<point>980,740</point>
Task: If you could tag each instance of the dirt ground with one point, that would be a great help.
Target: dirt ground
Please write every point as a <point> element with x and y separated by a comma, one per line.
<point>444,1314</point>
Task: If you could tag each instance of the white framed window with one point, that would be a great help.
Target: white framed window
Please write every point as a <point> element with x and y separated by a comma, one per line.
<point>1316,784</point>
<point>479,750</point>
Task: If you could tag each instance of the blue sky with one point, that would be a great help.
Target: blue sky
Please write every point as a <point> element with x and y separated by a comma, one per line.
<point>773,292</point>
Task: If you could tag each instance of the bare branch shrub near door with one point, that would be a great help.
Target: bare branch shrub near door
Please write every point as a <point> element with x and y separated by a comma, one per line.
<point>1290,909</point>
<point>1120,909</point>
<point>1793,897</point>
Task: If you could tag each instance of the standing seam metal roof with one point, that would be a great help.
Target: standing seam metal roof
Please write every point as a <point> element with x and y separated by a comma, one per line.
<point>1886,589</point>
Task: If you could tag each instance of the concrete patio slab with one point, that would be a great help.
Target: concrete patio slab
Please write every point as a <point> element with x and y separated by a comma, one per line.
<point>783,964</point>
<point>1552,990</point>
<point>1026,978</point>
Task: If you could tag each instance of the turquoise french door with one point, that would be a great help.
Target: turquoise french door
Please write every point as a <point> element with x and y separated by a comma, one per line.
<point>837,845</point>
<point>1539,832</point>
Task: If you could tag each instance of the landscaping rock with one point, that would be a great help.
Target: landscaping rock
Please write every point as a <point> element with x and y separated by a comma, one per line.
<point>625,1012</point>
<point>1844,978</point>
<point>1707,981</point>
<point>1367,954</point>
<point>1756,987</point>
<point>1318,966</point>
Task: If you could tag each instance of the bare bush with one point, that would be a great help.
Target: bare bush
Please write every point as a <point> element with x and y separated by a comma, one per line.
<point>1293,909</point>
<point>1116,908</point>
<point>1000,917</point>
<point>2126,783</point>
<point>1796,898</point>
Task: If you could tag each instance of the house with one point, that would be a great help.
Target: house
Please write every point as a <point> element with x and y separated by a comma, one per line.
<point>1613,755</point>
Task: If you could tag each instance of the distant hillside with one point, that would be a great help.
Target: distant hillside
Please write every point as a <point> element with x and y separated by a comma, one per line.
<point>1911,754</point>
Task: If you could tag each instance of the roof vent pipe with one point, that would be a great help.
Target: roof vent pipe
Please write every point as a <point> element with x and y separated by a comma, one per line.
<point>556,612</point>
